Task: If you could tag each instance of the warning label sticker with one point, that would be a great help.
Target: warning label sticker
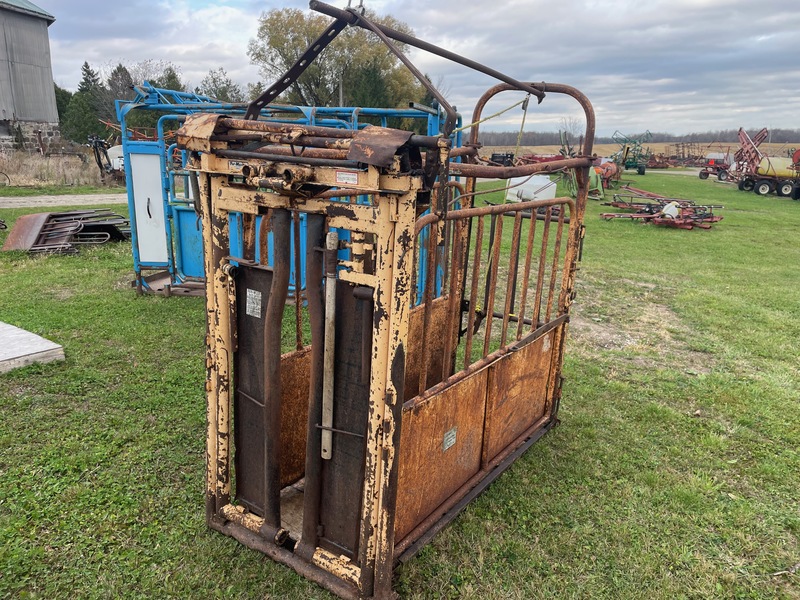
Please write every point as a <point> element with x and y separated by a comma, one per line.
<point>253,303</point>
<point>347,177</point>
<point>449,438</point>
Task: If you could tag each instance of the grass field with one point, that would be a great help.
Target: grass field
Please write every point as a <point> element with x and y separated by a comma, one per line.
<point>675,472</point>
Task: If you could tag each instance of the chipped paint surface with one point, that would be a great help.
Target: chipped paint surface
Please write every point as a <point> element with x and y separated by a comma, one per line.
<point>512,383</point>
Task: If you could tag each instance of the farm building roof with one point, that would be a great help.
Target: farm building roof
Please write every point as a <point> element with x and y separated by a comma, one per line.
<point>29,8</point>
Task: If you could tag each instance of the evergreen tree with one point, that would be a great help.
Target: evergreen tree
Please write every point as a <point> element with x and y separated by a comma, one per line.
<point>63,98</point>
<point>219,86</point>
<point>90,80</point>
<point>120,83</point>
<point>170,80</point>
<point>80,119</point>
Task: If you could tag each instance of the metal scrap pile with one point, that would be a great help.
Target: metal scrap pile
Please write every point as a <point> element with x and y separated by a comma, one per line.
<point>646,207</point>
<point>64,232</point>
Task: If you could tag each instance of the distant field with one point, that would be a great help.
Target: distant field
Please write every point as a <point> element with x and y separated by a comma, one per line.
<point>658,148</point>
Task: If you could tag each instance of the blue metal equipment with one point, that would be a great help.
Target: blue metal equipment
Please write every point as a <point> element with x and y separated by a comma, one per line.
<point>166,229</point>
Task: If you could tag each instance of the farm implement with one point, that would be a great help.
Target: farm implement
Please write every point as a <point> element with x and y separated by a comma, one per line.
<point>647,207</point>
<point>437,322</point>
<point>754,171</point>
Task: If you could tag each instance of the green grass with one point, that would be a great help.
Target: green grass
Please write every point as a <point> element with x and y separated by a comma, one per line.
<point>675,472</point>
<point>57,190</point>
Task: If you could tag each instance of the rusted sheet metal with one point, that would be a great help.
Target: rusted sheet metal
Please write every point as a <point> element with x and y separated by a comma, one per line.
<point>377,145</point>
<point>440,449</point>
<point>437,334</point>
<point>196,131</point>
<point>517,393</point>
<point>26,232</point>
<point>63,232</point>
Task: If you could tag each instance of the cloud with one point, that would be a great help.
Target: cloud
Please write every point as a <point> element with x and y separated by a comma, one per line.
<point>665,65</point>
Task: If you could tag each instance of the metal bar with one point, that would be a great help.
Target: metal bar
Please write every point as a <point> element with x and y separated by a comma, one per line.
<point>450,119</point>
<point>315,228</point>
<point>496,242</point>
<point>296,70</point>
<point>285,128</point>
<point>298,303</point>
<point>554,266</point>
<point>473,292</point>
<point>306,569</point>
<point>490,172</point>
<point>427,295</point>
<point>523,303</point>
<point>512,276</point>
<point>454,297</point>
<point>331,247</point>
<point>314,162</point>
<point>273,316</point>
<point>537,301</point>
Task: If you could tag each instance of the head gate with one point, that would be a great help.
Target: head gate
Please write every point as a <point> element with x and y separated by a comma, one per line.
<point>420,356</point>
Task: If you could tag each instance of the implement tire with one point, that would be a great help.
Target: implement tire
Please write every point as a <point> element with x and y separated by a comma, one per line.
<point>763,187</point>
<point>784,188</point>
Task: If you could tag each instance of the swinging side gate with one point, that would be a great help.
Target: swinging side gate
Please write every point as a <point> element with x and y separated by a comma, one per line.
<point>361,419</point>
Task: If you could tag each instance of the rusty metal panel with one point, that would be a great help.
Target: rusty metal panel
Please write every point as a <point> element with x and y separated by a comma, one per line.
<point>377,145</point>
<point>25,232</point>
<point>517,392</point>
<point>343,474</point>
<point>294,414</point>
<point>437,327</point>
<point>440,449</point>
<point>253,284</point>
<point>252,291</point>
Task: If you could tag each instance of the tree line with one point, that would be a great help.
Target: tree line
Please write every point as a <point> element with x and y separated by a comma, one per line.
<point>551,138</point>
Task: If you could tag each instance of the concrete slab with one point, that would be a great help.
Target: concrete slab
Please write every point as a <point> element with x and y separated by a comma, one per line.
<point>19,348</point>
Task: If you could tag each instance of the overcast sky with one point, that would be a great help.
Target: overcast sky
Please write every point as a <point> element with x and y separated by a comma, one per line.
<point>676,66</point>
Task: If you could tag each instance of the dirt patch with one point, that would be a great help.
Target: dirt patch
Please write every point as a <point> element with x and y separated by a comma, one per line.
<point>636,327</point>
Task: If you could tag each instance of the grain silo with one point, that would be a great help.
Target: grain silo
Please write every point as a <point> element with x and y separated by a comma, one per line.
<point>27,97</point>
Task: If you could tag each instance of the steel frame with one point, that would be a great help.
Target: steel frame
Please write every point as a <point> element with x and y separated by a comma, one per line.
<point>412,413</point>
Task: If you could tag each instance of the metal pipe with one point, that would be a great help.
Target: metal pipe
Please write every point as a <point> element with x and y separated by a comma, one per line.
<point>554,266</point>
<point>473,292</point>
<point>493,209</point>
<point>314,162</point>
<point>273,316</point>
<point>331,248</point>
<point>487,171</point>
<point>523,303</point>
<point>315,228</point>
<point>495,242</point>
<point>512,276</point>
<point>427,300</point>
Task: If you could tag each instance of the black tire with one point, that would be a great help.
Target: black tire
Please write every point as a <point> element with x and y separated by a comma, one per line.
<point>640,170</point>
<point>747,185</point>
<point>763,187</point>
<point>722,175</point>
<point>703,175</point>
<point>784,188</point>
